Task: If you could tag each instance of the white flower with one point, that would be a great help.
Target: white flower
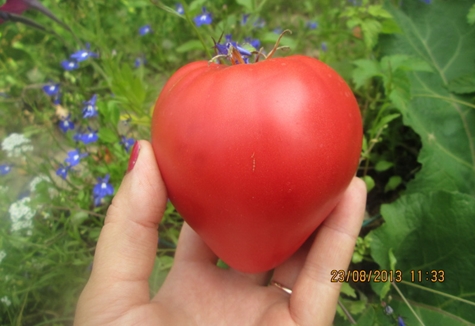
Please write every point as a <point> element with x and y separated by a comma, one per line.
<point>37,180</point>
<point>21,215</point>
<point>16,144</point>
<point>3,254</point>
<point>6,301</point>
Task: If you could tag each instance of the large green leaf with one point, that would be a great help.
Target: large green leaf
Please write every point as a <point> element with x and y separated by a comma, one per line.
<point>440,35</point>
<point>427,232</point>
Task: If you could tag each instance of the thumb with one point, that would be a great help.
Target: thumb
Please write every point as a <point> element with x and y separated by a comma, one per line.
<point>127,245</point>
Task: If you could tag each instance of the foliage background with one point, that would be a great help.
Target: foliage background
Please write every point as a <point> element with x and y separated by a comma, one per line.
<point>410,63</point>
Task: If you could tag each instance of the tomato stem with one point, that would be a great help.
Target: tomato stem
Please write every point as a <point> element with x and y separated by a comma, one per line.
<point>238,55</point>
<point>276,46</point>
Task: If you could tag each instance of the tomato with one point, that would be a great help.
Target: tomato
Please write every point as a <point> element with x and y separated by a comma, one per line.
<point>255,156</point>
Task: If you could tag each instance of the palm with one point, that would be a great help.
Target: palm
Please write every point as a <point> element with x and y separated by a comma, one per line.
<point>196,291</point>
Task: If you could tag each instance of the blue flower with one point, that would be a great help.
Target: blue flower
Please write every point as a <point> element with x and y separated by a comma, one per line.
<point>259,23</point>
<point>277,30</point>
<point>400,321</point>
<point>255,43</point>
<point>203,19</point>
<point>57,99</point>
<point>312,25</point>
<point>145,30</point>
<point>66,124</point>
<point>70,64</point>
<point>63,170</point>
<point>179,8</point>
<point>90,109</point>
<point>74,157</point>
<point>83,55</point>
<point>127,143</point>
<point>324,46</point>
<point>139,61</point>
<point>427,1</point>
<point>224,49</point>
<point>51,89</point>
<point>244,19</point>
<point>101,189</point>
<point>88,137</point>
<point>5,169</point>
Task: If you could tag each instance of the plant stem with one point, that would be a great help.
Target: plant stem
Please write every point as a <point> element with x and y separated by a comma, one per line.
<point>439,293</point>
<point>407,303</point>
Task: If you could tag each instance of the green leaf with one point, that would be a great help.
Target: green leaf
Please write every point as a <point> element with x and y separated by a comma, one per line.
<point>445,125</point>
<point>107,135</point>
<point>369,182</point>
<point>393,183</point>
<point>196,5</point>
<point>167,9</point>
<point>389,26</point>
<point>471,15</point>
<point>371,29</point>
<point>383,166</point>
<point>429,315</point>
<point>160,271</point>
<point>113,113</point>
<point>348,290</point>
<point>378,11</point>
<point>247,4</point>
<point>365,70</point>
<point>189,46</point>
<point>431,231</point>
<point>463,84</point>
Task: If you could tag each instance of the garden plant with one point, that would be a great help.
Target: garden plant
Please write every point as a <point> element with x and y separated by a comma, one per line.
<point>78,85</point>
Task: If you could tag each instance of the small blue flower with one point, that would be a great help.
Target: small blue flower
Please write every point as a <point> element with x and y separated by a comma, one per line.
<point>102,189</point>
<point>255,43</point>
<point>203,19</point>
<point>88,137</point>
<point>244,19</point>
<point>51,89</point>
<point>83,55</point>
<point>259,23</point>
<point>324,46</point>
<point>57,99</point>
<point>66,124</point>
<point>145,30</point>
<point>400,321</point>
<point>63,170</point>
<point>127,143</point>
<point>312,25</point>
<point>179,8</point>
<point>427,1</point>
<point>90,109</point>
<point>139,61</point>
<point>74,157</point>
<point>277,30</point>
<point>5,169</point>
<point>70,64</point>
<point>224,49</point>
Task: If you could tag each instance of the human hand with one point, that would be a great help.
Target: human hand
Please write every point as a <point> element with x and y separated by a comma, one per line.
<point>196,291</point>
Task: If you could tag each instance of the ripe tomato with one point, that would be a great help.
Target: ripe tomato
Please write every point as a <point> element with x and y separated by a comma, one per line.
<point>255,156</point>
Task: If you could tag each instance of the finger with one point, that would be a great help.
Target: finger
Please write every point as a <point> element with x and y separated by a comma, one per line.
<point>288,272</point>
<point>314,295</point>
<point>127,244</point>
<point>191,248</point>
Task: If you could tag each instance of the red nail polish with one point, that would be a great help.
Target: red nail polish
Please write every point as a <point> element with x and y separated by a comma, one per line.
<point>133,156</point>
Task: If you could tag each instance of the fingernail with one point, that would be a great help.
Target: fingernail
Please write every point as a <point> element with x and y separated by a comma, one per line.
<point>133,157</point>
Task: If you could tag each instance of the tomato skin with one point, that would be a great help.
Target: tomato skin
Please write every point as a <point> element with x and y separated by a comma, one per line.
<point>255,156</point>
